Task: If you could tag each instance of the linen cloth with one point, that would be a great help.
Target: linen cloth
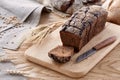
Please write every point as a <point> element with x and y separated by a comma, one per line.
<point>16,18</point>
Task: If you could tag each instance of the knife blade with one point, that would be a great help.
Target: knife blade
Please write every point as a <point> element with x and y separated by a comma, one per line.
<point>97,47</point>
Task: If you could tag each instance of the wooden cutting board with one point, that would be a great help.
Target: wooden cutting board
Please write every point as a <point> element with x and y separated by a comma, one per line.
<point>39,53</point>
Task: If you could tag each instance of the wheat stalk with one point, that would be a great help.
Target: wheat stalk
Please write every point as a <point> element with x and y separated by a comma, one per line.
<point>16,72</point>
<point>6,59</point>
<point>43,31</point>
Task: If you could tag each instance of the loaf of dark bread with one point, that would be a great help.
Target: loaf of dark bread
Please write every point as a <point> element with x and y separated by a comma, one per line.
<point>83,26</point>
<point>70,6</point>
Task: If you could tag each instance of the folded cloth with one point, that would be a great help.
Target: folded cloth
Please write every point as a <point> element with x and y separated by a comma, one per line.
<point>17,17</point>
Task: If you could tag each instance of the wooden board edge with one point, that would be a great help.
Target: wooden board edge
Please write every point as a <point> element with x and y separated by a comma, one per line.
<point>67,73</point>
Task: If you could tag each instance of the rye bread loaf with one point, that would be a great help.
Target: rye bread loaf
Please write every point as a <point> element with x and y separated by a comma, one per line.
<point>70,6</point>
<point>83,26</point>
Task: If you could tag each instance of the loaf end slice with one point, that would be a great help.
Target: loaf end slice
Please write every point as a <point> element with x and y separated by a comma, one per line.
<point>61,54</point>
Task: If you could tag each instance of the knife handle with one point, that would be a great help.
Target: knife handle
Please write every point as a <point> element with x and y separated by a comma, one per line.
<point>105,43</point>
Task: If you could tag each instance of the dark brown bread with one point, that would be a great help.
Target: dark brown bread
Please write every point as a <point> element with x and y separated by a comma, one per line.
<point>83,26</point>
<point>61,54</point>
<point>62,5</point>
<point>70,6</point>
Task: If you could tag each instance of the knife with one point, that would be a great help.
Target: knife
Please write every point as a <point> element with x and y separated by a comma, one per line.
<point>97,47</point>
